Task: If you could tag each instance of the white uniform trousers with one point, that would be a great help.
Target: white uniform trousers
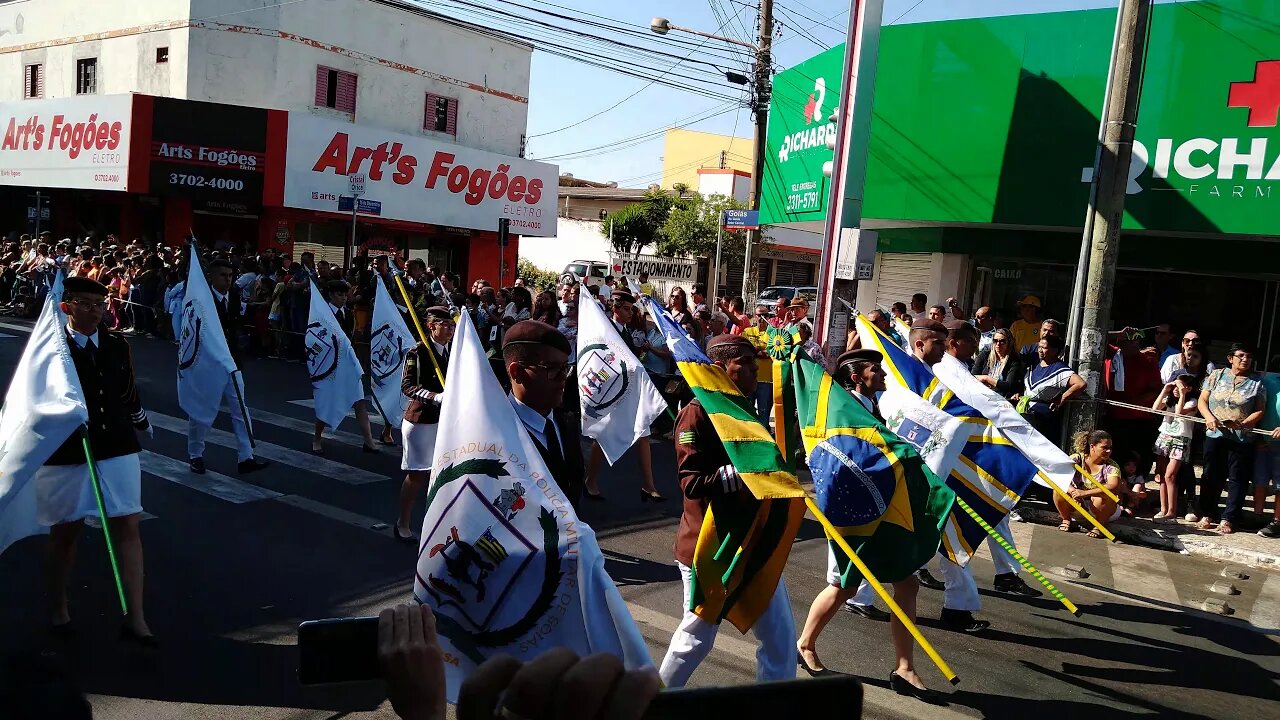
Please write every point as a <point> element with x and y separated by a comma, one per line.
<point>692,641</point>
<point>196,433</point>
<point>962,591</point>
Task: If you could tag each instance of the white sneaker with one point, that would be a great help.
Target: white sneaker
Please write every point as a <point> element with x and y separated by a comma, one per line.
<point>1192,517</point>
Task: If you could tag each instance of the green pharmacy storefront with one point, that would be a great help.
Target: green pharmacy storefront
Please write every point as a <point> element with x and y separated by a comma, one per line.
<point>982,146</point>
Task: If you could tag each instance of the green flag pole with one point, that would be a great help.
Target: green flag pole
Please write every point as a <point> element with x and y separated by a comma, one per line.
<point>1013,552</point>
<point>102,515</point>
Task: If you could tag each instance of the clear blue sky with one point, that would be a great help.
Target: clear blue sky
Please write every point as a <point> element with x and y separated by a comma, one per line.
<point>613,145</point>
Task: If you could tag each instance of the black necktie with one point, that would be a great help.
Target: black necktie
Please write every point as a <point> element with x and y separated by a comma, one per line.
<point>222,305</point>
<point>553,441</point>
<point>90,347</point>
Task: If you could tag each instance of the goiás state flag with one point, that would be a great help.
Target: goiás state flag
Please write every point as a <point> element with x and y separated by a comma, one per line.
<point>504,562</point>
<point>871,484</point>
<point>389,343</point>
<point>742,546</point>
<point>337,380</point>
<point>619,401</point>
<point>205,365</point>
<point>42,408</point>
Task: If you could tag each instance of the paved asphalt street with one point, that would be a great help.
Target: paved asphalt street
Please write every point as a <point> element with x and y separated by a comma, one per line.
<point>233,566</point>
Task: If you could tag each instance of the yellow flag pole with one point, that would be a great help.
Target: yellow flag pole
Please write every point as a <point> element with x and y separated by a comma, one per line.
<point>422,334</point>
<point>884,594</point>
<point>1086,515</point>
<point>1080,469</point>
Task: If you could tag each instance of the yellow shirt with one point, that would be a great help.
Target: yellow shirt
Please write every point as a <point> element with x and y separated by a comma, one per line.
<point>764,366</point>
<point>1024,333</point>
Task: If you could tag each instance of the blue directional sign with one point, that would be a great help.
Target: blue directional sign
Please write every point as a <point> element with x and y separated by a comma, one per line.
<point>741,219</point>
<point>363,206</point>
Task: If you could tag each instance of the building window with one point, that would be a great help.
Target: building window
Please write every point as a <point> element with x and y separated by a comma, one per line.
<point>162,55</point>
<point>335,89</point>
<point>86,76</point>
<point>441,114</point>
<point>33,81</point>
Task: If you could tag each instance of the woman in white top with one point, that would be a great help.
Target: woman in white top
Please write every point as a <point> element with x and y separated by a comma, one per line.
<point>1174,365</point>
<point>1173,444</point>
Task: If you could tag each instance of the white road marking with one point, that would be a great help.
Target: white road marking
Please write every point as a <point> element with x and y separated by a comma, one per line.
<point>1265,613</point>
<point>211,483</point>
<point>292,458</point>
<point>307,427</point>
<point>336,513</point>
<point>12,326</point>
<point>1143,574</point>
<point>375,417</point>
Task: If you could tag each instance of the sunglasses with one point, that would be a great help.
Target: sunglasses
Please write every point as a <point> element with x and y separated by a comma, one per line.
<point>999,341</point>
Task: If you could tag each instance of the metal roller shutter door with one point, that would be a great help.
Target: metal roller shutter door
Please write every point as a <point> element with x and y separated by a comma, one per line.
<point>793,273</point>
<point>901,276</point>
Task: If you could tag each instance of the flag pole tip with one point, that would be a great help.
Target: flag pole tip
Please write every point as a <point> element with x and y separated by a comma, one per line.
<point>1077,613</point>
<point>955,681</point>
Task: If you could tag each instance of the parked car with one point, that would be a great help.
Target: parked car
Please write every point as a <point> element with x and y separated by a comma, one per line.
<point>589,272</point>
<point>771,294</point>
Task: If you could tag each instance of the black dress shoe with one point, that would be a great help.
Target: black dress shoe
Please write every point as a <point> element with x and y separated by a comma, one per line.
<point>646,496</point>
<point>62,631</point>
<point>899,684</point>
<point>824,672</point>
<point>929,581</point>
<point>130,636</point>
<point>594,497</point>
<point>251,465</point>
<point>962,621</point>
<point>406,538</point>
<point>1012,584</point>
<point>197,465</point>
<point>870,612</point>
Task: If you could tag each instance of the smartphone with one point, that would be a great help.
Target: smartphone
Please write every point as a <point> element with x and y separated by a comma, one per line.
<point>837,695</point>
<point>338,650</point>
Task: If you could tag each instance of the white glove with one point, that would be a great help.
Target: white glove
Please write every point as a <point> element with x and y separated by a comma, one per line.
<point>437,398</point>
<point>730,480</point>
<point>150,432</point>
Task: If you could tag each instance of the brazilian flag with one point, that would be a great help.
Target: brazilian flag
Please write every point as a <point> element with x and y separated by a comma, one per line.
<point>744,543</point>
<point>870,483</point>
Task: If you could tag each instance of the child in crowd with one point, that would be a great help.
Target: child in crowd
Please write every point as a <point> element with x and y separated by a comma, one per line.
<point>1173,444</point>
<point>1135,482</point>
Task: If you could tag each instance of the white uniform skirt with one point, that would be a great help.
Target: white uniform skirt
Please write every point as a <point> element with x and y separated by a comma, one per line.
<point>64,493</point>
<point>419,440</point>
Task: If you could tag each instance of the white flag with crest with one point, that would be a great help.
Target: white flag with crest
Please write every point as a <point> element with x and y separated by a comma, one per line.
<point>43,407</point>
<point>505,563</point>
<point>205,365</point>
<point>619,401</point>
<point>336,376</point>
<point>389,343</point>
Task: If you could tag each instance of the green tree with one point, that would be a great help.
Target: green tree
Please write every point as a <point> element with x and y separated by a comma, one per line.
<point>691,227</point>
<point>536,277</point>
<point>639,225</point>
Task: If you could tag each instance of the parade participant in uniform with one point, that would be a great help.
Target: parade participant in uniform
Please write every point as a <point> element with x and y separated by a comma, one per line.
<point>65,496</point>
<point>337,292</point>
<point>860,372</point>
<point>537,359</point>
<point>422,386</point>
<point>961,599</point>
<point>705,473</point>
<point>230,305</point>
<point>623,306</point>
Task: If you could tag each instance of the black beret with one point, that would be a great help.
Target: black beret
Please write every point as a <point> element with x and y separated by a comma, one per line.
<point>84,285</point>
<point>337,286</point>
<point>955,324</point>
<point>534,332</point>
<point>933,325</point>
<point>439,312</point>
<point>621,296</point>
<point>726,344</point>
<point>860,354</point>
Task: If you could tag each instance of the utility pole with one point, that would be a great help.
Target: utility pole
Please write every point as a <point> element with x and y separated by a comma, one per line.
<point>1107,211</point>
<point>759,106</point>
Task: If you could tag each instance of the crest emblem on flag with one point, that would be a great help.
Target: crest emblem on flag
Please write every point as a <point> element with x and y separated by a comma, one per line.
<point>322,352</point>
<point>189,343</point>
<point>603,377</point>
<point>386,353</point>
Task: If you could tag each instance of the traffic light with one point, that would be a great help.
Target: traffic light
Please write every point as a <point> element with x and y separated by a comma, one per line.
<point>833,126</point>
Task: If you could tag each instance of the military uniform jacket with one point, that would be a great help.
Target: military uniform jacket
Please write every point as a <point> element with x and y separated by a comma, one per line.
<point>699,454</point>
<point>419,380</point>
<point>111,395</point>
<point>570,471</point>
<point>230,320</point>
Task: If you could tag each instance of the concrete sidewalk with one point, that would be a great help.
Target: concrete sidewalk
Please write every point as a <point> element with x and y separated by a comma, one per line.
<point>1244,546</point>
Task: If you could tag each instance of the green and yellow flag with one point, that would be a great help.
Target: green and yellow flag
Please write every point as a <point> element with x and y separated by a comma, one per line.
<point>742,547</point>
<point>871,484</point>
